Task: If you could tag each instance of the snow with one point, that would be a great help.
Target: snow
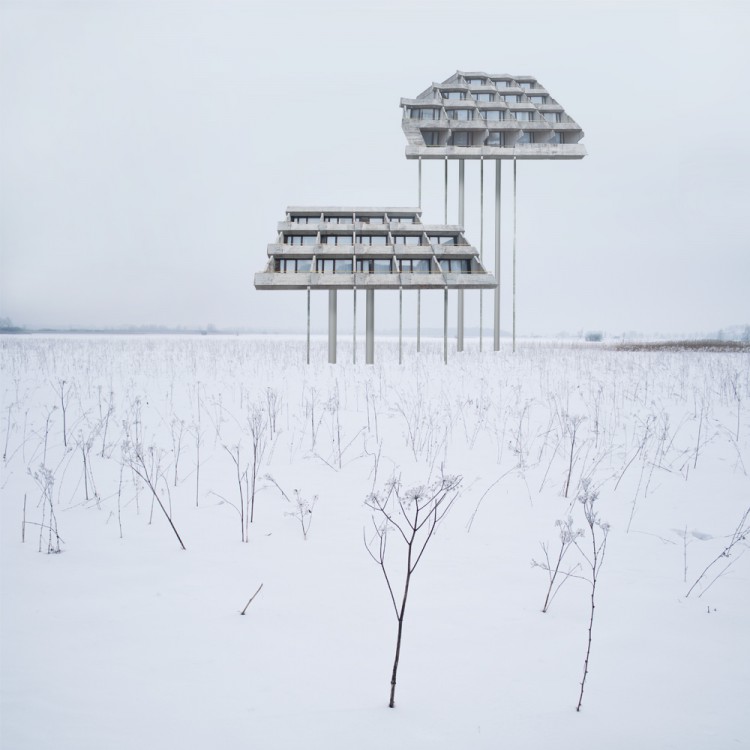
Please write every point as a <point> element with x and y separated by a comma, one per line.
<point>124,640</point>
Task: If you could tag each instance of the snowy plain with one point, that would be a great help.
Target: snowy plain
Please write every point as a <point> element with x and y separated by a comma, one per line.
<point>124,640</point>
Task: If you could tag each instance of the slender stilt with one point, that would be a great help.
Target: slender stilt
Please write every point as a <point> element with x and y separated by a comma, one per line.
<point>308,325</point>
<point>332,326</point>
<point>419,320</point>
<point>445,200</point>
<point>514,254</point>
<point>460,305</point>
<point>400,323</point>
<point>445,326</point>
<point>481,241</point>
<point>370,326</point>
<point>496,322</point>
<point>354,328</point>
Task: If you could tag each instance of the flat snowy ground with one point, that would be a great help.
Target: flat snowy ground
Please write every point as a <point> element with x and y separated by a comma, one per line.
<point>124,641</point>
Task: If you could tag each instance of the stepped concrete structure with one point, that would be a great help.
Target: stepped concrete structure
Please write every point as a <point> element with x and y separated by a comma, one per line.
<point>482,116</point>
<point>476,115</point>
<point>340,248</point>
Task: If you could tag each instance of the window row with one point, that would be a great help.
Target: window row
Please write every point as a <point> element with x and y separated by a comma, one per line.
<point>496,139</point>
<point>500,83</point>
<point>370,265</point>
<point>488,96</point>
<point>370,239</point>
<point>350,219</point>
<point>486,114</point>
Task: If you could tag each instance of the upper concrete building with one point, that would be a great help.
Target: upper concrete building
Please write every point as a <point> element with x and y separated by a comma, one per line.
<point>473,115</point>
<point>370,248</point>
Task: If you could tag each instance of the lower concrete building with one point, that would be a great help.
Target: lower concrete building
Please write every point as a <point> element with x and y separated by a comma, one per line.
<point>336,248</point>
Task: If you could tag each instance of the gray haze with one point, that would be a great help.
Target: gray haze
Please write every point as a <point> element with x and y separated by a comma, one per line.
<point>148,149</point>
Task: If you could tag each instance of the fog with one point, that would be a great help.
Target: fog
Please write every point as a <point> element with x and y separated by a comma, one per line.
<point>148,150</point>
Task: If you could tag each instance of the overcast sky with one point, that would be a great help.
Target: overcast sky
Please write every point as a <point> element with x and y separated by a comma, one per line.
<point>149,148</point>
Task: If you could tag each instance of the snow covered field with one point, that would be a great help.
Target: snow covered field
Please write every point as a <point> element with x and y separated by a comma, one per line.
<point>124,640</point>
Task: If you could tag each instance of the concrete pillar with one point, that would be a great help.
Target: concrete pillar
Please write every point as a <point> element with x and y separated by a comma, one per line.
<point>370,326</point>
<point>308,325</point>
<point>481,242</point>
<point>445,326</point>
<point>514,254</point>
<point>332,326</point>
<point>419,320</point>
<point>354,324</point>
<point>496,325</point>
<point>400,324</point>
<point>445,201</point>
<point>460,306</point>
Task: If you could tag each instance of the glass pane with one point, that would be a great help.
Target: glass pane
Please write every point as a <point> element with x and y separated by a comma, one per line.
<point>379,239</point>
<point>308,239</point>
<point>501,84</point>
<point>494,139</point>
<point>382,266</point>
<point>521,115</point>
<point>420,266</point>
<point>493,114</point>
<point>484,97</point>
<point>303,265</point>
<point>431,137</point>
<point>437,239</point>
<point>524,138</point>
<point>402,219</point>
<point>343,266</point>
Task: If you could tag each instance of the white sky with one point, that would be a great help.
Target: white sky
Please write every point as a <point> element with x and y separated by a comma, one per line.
<point>148,149</point>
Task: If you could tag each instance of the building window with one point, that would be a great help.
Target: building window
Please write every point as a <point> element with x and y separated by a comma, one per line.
<point>527,85</point>
<point>299,239</point>
<point>494,114</point>
<point>525,138</point>
<point>428,113</point>
<point>454,95</point>
<point>510,98</point>
<point>402,219</point>
<point>370,219</point>
<point>292,265</point>
<point>522,115</point>
<point>502,83</point>
<point>338,219</point>
<point>372,239</point>
<point>557,138</point>
<point>461,138</point>
<point>324,265</point>
<point>442,239</point>
<point>407,239</point>
<point>453,265</point>
<point>483,97</point>
<point>460,114</point>
<point>337,239</point>
<point>431,137</point>
<point>305,219</point>
<point>538,99</point>
<point>552,116</point>
<point>343,265</point>
<point>415,265</point>
<point>475,81</point>
<point>382,265</point>
<point>494,139</point>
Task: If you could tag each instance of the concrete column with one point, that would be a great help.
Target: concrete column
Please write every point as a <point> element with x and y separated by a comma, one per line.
<point>445,201</point>
<point>496,324</point>
<point>332,326</point>
<point>514,254</point>
<point>445,326</point>
<point>460,306</point>
<point>481,242</point>
<point>400,323</point>
<point>354,324</point>
<point>369,326</point>
<point>308,325</point>
<point>419,320</point>
<point>419,192</point>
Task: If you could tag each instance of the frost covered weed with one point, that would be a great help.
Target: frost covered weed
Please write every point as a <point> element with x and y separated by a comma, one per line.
<point>91,423</point>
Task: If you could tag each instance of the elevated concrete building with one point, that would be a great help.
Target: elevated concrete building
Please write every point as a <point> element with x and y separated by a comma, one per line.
<point>476,115</point>
<point>336,248</point>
